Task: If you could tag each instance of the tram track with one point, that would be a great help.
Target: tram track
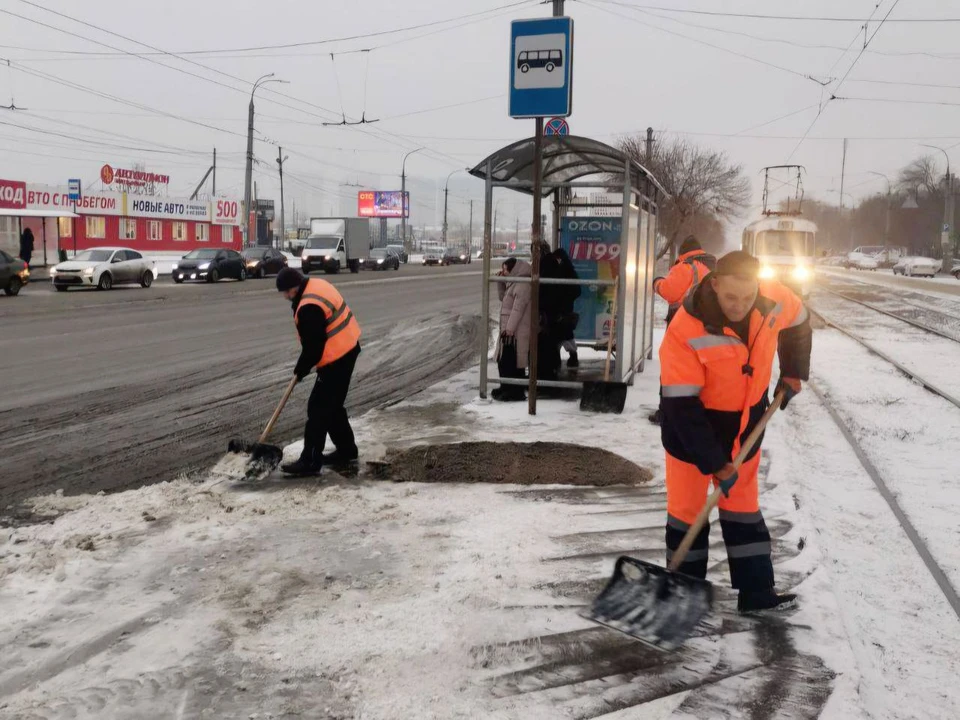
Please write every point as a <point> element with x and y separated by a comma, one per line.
<point>895,316</point>
<point>870,467</point>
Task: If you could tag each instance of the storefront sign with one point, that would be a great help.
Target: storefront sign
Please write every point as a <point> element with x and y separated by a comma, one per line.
<point>131,178</point>
<point>170,209</point>
<point>226,211</point>
<point>52,198</point>
<point>593,244</point>
<point>13,195</point>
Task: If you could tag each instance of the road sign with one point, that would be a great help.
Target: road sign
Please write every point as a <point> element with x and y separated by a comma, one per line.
<point>541,67</point>
<point>946,227</point>
<point>556,126</point>
<point>73,189</point>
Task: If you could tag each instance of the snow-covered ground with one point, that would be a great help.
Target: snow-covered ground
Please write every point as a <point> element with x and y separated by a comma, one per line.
<point>366,599</point>
<point>947,286</point>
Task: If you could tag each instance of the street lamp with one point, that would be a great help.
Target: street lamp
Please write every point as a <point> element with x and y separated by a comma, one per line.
<point>281,159</point>
<point>403,196</point>
<point>446,193</point>
<point>886,232</point>
<point>248,181</point>
<point>947,265</point>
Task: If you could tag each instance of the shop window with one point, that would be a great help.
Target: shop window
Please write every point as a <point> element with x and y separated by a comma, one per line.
<point>65,226</point>
<point>179,231</point>
<point>153,230</point>
<point>128,229</point>
<point>96,227</point>
<point>226,233</point>
<point>203,232</point>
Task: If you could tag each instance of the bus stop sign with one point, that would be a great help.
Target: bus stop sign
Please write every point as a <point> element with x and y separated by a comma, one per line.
<point>541,67</point>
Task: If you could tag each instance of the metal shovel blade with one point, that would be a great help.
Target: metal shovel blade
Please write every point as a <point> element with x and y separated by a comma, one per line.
<point>262,455</point>
<point>652,604</point>
<point>603,396</point>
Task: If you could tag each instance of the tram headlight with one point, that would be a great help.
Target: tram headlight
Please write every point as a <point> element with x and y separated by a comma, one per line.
<point>768,272</point>
<point>801,273</point>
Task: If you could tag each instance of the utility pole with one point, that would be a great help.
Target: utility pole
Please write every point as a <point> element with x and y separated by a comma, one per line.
<point>470,231</point>
<point>281,159</point>
<point>886,233</point>
<point>214,172</point>
<point>516,234</point>
<point>403,196</point>
<point>446,194</point>
<point>843,172</point>
<point>649,154</point>
<point>945,244</point>
<point>248,178</point>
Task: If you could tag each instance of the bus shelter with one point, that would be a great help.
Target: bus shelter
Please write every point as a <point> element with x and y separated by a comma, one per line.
<point>605,210</point>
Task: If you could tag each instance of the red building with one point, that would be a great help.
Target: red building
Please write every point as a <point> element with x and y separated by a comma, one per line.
<point>143,222</point>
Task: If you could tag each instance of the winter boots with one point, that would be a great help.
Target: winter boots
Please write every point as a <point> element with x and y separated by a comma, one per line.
<point>764,600</point>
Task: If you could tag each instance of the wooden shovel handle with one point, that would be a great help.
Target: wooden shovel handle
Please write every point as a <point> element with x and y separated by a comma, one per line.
<point>276,413</point>
<point>613,329</point>
<point>745,449</point>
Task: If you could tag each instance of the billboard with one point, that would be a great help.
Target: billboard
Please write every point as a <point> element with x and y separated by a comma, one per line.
<point>381,204</point>
<point>593,244</point>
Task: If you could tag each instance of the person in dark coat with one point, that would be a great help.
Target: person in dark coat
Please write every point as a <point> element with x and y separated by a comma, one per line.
<point>548,341</point>
<point>26,245</point>
<point>566,297</point>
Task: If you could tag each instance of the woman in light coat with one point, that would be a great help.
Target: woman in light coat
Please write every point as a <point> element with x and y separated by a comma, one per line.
<point>514,328</point>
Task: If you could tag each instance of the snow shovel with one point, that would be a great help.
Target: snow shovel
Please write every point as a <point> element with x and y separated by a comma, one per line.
<point>660,606</point>
<point>263,456</point>
<point>605,396</point>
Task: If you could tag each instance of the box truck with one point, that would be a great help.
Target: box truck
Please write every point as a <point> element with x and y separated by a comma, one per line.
<point>335,244</point>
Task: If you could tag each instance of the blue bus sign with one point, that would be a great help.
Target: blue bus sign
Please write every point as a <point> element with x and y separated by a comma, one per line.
<point>541,67</point>
<point>73,189</point>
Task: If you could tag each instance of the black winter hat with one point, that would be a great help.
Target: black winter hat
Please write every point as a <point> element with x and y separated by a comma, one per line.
<point>288,278</point>
<point>689,245</point>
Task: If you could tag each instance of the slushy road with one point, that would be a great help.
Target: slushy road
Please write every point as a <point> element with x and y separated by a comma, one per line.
<point>112,390</point>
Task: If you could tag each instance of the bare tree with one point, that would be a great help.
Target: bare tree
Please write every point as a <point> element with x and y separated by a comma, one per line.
<point>921,174</point>
<point>703,184</point>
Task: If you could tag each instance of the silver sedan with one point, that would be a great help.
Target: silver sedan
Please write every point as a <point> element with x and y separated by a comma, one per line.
<point>102,268</point>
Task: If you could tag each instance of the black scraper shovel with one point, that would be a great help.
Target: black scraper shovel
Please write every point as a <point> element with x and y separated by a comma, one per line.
<point>264,457</point>
<point>660,606</point>
<point>605,396</point>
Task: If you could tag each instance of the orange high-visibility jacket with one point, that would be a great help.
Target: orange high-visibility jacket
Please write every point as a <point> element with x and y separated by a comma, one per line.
<point>713,385</point>
<point>343,330</point>
<point>687,272</point>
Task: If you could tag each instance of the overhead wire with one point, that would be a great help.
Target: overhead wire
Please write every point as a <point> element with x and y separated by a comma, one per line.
<point>761,16</point>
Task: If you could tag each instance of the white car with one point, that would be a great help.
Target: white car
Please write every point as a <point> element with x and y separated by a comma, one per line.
<point>912,265</point>
<point>102,268</point>
<point>860,261</point>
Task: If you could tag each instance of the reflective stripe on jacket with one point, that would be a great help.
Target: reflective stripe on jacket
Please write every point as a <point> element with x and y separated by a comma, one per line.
<point>343,330</point>
<point>714,386</point>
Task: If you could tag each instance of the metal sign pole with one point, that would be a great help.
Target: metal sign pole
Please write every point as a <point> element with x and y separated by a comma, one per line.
<point>535,274</point>
<point>485,290</point>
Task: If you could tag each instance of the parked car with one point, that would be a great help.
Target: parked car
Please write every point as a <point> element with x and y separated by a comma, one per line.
<point>861,261</point>
<point>381,259</point>
<point>401,253</point>
<point>263,261</point>
<point>432,257</point>
<point>102,268</point>
<point>210,265</point>
<point>911,265</point>
<point>14,273</point>
<point>456,257</point>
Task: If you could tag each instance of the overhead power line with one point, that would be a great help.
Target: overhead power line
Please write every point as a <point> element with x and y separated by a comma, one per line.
<point>761,16</point>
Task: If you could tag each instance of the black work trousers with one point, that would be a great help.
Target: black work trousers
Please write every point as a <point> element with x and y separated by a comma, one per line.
<point>326,414</point>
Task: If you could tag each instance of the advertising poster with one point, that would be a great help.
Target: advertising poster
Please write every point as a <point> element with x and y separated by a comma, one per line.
<point>382,204</point>
<point>593,244</point>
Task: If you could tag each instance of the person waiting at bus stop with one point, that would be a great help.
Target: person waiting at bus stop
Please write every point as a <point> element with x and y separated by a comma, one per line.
<point>716,364</point>
<point>687,272</point>
<point>330,344</point>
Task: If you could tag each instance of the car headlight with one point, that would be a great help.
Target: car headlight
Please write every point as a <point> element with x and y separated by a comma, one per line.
<point>379,262</point>
<point>24,274</point>
<point>463,257</point>
<point>88,271</point>
<point>801,273</point>
<point>53,272</point>
<point>173,267</point>
<point>328,257</point>
<point>205,266</point>
<point>253,263</point>
<point>768,272</point>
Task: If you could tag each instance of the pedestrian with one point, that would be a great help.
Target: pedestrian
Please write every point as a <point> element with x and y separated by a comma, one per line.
<point>567,320</point>
<point>548,339</point>
<point>687,272</point>
<point>513,345</point>
<point>716,364</point>
<point>26,245</point>
<point>330,344</point>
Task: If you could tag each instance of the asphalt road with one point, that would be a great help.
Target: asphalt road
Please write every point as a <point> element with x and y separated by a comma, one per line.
<point>112,390</point>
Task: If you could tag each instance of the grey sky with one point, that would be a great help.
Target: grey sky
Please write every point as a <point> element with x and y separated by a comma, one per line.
<point>629,73</point>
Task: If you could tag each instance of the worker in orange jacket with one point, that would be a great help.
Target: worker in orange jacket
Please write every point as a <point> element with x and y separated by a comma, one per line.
<point>329,344</point>
<point>716,364</point>
<point>691,267</point>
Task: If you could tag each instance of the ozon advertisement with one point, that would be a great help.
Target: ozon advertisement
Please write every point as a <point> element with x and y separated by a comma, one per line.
<point>226,211</point>
<point>593,244</point>
<point>13,195</point>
